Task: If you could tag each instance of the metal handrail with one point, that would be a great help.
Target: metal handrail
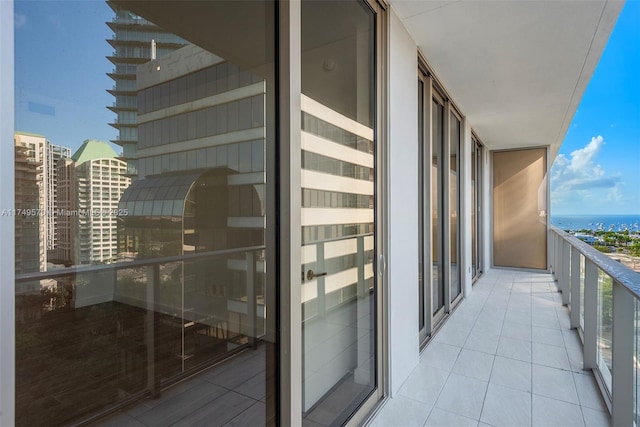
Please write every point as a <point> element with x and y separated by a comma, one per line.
<point>621,273</point>
<point>62,272</point>
<point>618,386</point>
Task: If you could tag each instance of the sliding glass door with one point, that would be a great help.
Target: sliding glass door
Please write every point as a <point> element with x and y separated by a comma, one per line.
<point>338,209</point>
<point>439,165</point>
<point>476,212</point>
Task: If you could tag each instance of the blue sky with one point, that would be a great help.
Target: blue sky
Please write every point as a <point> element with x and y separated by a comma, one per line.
<point>598,168</point>
<point>61,93</point>
<point>61,78</point>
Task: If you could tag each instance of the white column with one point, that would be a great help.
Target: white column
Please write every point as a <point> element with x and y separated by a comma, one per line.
<point>7,225</point>
<point>464,216</point>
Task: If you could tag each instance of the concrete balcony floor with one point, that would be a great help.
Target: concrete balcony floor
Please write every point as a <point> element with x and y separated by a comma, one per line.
<point>506,357</point>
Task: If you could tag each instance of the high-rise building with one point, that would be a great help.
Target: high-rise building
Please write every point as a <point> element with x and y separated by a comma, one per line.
<point>29,203</point>
<point>133,37</point>
<point>55,154</point>
<point>37,150</point>
<point>90,186</point>
<point>199,160</point>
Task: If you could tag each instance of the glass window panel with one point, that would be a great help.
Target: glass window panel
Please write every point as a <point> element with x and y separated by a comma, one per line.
<point>221,119</point>
<point>211,123</point>
<point>211,157</point>
<point>344,32</point>
<point>437,279</point>
<point>244,114</point>
<point>454,185</point>
<point>257,156</point>
<point>94,336</point>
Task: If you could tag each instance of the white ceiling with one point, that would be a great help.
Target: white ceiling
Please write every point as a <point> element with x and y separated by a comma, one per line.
<point>516,68</point>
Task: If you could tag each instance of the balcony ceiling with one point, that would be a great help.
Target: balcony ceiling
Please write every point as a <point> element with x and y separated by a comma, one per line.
<point>517,69</point>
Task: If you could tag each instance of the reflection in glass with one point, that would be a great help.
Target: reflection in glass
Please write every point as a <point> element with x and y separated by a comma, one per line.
<point>454,149</point>
<point>181,223</point>
<point>476,200</point>
<point>474,215</point>
<point>338,303</point>
<point>437,279</point>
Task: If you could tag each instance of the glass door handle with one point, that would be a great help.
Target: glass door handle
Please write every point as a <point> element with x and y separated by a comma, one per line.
<point>311,275</point>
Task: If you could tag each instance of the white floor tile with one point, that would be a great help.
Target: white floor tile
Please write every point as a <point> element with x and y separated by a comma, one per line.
<point>402,412</point>
<point>490,326</point>
<point>506,407</point>
<point>548,412</point>
<point>519,317</point>
<point>514,349</point>
<point>554,383</point>
<point>424,384</point>
<point>463,396</point>
<point>452,335</point>
<point>588,392</point>
<point>594,418</point>
<point>440,355</point>
<point>511,373</point>
<point>440,418</point>
<point>516,330</point>
<point>474,364</point>
<point>547,336</point>
<point>479,340</point>
<point>545,320</point>
<point>550,355</point>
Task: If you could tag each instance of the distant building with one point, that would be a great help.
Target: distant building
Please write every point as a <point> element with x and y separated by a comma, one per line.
<point>132,44</point>
<point>592,240</point>
<point>30,204</point>
<point>55,154</point>
<point>90,186</point>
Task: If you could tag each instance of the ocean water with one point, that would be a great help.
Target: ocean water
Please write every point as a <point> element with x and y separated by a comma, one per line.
<point>597,222</point>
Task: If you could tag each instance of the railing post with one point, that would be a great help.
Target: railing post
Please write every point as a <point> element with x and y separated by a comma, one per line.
<point>590,315</point>
<point>560,261</point>
<point>153,283</point>
<point>623,370</point>
<point>251,299</point>
<point>556,254</point>
<point>553,236</point>
<point>575,289</point>
<point>565,268</point>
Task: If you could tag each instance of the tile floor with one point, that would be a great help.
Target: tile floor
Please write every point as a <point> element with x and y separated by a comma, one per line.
<point>506,357</point>
<point>230,394</point>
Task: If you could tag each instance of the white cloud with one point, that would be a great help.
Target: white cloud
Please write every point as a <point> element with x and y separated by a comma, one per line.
<point>578,178</point>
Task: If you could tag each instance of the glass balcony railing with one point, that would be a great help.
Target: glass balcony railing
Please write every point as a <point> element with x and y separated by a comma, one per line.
<point>603,297</point>
<point>101,337</point>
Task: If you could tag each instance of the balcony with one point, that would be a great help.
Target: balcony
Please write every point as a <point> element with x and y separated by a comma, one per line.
<point>524,348</point>
<point>507,356</point>
<point>532,349</point>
